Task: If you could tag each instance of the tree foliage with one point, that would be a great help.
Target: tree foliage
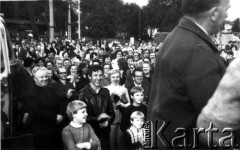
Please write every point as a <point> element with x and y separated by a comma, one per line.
<point>101,18</point>
<point>236,25</point>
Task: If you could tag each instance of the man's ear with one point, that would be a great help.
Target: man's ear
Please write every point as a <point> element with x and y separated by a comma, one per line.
<point>214,13</point>
<point>131,96</point>
<point>89,77</point>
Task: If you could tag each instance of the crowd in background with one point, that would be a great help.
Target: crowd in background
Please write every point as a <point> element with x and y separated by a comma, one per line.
<point>125,66</point>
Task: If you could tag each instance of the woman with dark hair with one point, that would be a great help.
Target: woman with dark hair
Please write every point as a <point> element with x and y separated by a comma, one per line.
<point>124,70</point>
<point>39,62</point>
<point>117,55</point>
<point>107,59</point>
<point>31,52</point>
<point>54,48</point>
<point>83,74</point>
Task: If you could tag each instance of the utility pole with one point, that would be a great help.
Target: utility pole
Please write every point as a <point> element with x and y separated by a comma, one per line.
<point>139,32</point>
<point>51,25</point>
<point>79,21</point>
<point>69,21</point>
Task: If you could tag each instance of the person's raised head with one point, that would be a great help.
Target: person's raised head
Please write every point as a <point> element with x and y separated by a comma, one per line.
<point>40,76</point>
<point>28,62</point>
<point>137,119</point>
<point>95,76</point>
<point>95,68</point>
<point>114,75</point>
<point>209,14</point>
<point>137,114</point>
<point>73,109</point>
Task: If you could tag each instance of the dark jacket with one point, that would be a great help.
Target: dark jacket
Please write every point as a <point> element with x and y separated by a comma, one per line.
<point>98,103</point>
<point>43,106</point>
<point>187,72</point>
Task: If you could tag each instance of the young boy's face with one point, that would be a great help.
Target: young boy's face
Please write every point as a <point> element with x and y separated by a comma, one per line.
<point>137,122</point>
<point>81,116</point>
<point>137,97</point>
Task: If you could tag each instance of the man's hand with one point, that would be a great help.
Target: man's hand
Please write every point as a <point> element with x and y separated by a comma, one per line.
<point>102,116</point>
<point>104,124</point>
<point>59,118</point>
<point>69,93</point>
<point>83,145</point>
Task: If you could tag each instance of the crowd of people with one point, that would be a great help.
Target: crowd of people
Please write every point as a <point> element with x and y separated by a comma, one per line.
<point>80,95</point>
<point>112,80</point>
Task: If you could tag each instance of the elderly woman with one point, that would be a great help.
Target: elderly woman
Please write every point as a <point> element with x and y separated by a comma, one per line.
<point>120,99</point>
<point>43,106</point>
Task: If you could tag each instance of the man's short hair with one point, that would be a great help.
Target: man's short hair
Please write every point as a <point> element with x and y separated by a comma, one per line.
<point>94,68</point>
<point>73,107</point>
<point>28,62</point>
<point>136,89</point>
<point>137,114</point>
<point>138,69</point>
<point>198,6</point>
<point>129,57</point>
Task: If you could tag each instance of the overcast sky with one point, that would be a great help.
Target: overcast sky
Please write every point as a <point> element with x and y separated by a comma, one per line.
<point>234,11</point>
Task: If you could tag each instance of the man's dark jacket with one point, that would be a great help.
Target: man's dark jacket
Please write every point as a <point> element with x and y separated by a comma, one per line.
<point>188,70</point>
<point>98,103</point>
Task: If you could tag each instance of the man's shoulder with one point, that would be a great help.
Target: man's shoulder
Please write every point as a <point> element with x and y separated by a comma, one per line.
<point>104,91</point>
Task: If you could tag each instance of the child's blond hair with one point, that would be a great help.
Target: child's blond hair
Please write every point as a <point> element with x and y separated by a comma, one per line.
<point>136,89</point>
<point>137,114</point>
<point>73,107</point>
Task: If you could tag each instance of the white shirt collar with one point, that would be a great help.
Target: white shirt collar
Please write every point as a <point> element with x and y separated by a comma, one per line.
<point>201,28</point>
<point>75,125</point>
<point>139,85</point>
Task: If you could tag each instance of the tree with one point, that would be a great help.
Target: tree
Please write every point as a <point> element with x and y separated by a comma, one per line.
<point>236,25</point>
<point>163,14</point>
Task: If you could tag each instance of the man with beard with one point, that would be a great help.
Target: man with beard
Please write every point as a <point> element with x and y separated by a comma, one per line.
<point>99,106</point>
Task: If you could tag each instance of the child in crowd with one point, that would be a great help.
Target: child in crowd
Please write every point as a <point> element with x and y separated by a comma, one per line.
<point>135,136</point>
<point>79,134</point>
<point>137,96</point>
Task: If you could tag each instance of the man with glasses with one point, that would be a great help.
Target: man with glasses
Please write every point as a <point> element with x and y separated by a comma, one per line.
<point>65,90</point>
<point>187,72</point>
<point>137,76</point>
<point>106,79</point>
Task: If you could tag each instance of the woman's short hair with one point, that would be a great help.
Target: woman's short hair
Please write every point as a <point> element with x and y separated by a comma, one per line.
<point>113,71</point>
<point>137,114</point>
<point>39,59</point>
<point>73,107</point>
<point>48,62</point>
